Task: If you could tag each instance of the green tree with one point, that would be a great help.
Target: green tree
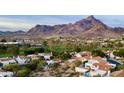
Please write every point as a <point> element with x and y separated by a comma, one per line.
<point>97,52</point>
<point>55,53</point>
<point>39,50</point>
<point>78,49</point>
<point>47,50</point>
<point>45,43</point>
<point>120,52</point>
<point>29,51</point>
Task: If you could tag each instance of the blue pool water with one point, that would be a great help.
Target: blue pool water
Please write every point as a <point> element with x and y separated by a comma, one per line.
<point>113,62</point>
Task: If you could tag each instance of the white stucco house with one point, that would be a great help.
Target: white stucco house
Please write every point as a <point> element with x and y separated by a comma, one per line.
<point>6,61</point>
<point>6,74</point>
<point>95,68</point>
<point>21,60</point>
<point>50,62</point>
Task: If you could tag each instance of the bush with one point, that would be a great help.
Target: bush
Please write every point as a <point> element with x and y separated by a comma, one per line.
<point>119,67</point>
<point>120,53</point>
<point>29,51</point>
<point>39,50</point>
<point>78,63</point>
<point>32,65</point>
<point>11,67</point>
<point>65,56</point>
<point>47,50</point>
<point>41,65</point>
<point>54,66</point>
<point>23,72</point>
<point>98,53</point>
<point>78,49</point>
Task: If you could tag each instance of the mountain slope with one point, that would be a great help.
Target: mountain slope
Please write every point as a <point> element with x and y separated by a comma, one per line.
<point>89,27</point>
<point>19,32</point>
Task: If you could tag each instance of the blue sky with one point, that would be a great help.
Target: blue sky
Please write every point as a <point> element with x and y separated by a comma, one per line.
<point>25,22</point>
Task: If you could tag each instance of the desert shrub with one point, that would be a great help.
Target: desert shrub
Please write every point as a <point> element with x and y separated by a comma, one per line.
<point>11,67</point>
<point>23,72</point>
<point>65,56</point>
<point>78,63</point>
<point>98,53</point>
<point>41,65</point>
<point>32,65</point>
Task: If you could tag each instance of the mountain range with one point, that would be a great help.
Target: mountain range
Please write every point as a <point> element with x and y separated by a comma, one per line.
<point>87,28</point>
<point>19,32</point>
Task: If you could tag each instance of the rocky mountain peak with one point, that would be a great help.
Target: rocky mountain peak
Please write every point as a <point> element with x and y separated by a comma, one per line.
<point>87,27</point>
<point>91,18</point>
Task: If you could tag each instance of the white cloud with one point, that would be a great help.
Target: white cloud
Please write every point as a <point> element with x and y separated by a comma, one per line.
<point>11,24</point>
<point>15,25</point>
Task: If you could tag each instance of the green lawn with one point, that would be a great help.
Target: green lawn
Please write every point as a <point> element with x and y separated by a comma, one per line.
<point>6,55</point>
<point>21,52</point>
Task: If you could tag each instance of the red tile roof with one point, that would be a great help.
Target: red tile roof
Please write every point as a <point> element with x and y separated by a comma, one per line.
<point>103,66</point>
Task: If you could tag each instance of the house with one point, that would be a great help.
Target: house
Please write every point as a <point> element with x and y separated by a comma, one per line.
<point>110,54</point>
<point>86,53</point>
<point>89,41</point>
<point>100,59</point>
<point>102,66</point>
<point>82,56</point>
<point>45,56</point>
<point>97,73</point>
<point>104,44</point>
<point>6,74</point>
<point>6,61</point>
<point>72,60</point>
<point>33,56</point>
<point>122,42</point>
<point>81,70</point>
<point>98,68</point>
<point>50,62</point>
<point>78,55</point>
<point>10,43</point>
<point>95,67</point>
<point>90,63</point>
<point>21,60</point>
